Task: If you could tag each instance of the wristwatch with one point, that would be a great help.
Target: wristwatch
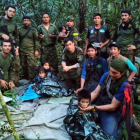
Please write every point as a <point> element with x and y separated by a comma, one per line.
<point>95,109</point>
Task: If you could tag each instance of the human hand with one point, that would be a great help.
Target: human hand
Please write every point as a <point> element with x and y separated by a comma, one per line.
<point>6,37</point>
<point>87,109</point>
<point>4,84</point>
<point>132,47</point>
<point>52,35</point>
<point>11,84</point>
<point>36,53</point>
<point>79,89</point>
<point>85,51</point>
<point>16,52</point>
<point>101,45</point>
<point>61,34</point>
<point>66,68</point>
<point>41,36</point>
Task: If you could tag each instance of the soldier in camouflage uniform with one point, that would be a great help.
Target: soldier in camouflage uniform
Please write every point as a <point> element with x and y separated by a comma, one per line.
<point>6,65</point>
<point>48,35</point>
<point>125,34</point>
<point>28,48</point>
<point>73,32</point>
<point>12,34</point>
<point>72,60</point>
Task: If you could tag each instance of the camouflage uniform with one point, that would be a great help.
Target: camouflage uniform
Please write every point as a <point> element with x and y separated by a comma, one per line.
<point>12,29</point>
<point>27,48</point>
<point>73,34</point>
<point>48,49</point>
<point>7,68</point>
<point>125,36</point>
<point>77,58</point>
<point>137,52</point>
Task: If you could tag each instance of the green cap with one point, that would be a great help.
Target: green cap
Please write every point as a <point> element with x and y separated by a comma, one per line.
<point>70,18</point>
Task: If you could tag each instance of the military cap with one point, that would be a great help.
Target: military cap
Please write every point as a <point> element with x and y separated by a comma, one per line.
<point>70,18</point>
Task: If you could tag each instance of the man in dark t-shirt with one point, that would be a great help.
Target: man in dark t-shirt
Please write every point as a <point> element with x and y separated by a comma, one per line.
<point>71,65</point>
<point>98,35</point>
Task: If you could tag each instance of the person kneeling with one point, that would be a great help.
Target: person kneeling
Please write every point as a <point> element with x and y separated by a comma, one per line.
<point>111,95</point>
<point>7,67</point>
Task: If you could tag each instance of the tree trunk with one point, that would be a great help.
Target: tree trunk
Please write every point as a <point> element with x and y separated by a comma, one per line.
<point>99,6</point>
<point>82,12</point>
<point>7,114</point>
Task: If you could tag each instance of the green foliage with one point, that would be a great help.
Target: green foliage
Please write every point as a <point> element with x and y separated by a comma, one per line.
<point>11,94</point>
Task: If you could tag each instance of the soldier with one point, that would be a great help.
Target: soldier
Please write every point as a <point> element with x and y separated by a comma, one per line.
<point>125,34</point>
<point>9,31</point>
<point>71,65</point>
<point>99,35</point>
<point>73,32</point>
<point>28,48</point>
<point>48,35</point>
<point>6,65</point>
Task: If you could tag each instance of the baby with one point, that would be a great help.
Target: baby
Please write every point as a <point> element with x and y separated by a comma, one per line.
<point>62,30</point>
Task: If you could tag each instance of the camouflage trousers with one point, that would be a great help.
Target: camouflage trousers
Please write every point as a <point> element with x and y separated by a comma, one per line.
<point>49,54</point>
<point>17,69</point>
<point>128,54</point>
<point>73,74</point>
<point>28,63</point>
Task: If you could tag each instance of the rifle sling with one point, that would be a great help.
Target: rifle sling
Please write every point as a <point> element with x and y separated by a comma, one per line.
<point>25,35</point>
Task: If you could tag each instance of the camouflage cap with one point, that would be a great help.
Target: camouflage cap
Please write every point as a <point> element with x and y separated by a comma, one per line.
<point>119,65</point>
<point>70,18</point>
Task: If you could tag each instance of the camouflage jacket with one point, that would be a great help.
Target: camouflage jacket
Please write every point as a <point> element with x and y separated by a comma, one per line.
<point>7,68</point>
<point>47,40</point>
<point>78,59</point>
<point>73,34</point>
<point>30,42</point>
<point>12,29</point>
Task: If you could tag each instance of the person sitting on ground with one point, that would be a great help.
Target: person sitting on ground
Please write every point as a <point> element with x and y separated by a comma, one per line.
<point>111,95</point>
<point>72,60</point>
<point>30,93</point>
<point>115,53</point>
<point>46,85</point>
<point>93,68</point>
<point>82,125</point>
<point>7,66</point>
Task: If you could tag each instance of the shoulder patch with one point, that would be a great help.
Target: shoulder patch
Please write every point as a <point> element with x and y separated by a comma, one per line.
<point>75,34</point>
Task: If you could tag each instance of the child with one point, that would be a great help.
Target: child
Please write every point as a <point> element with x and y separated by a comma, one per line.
<point>30,93</point>
<point>82,125</point>
<point>84,98</point>
<point>62,30</point>
<point>63,33</point>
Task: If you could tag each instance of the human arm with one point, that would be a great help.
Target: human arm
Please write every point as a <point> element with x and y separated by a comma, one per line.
<point>132,68</point>
<point>105,66</point>
<point>55,33</point>
<point>11,71</point>
<point>4,84</point>
<point>104,44</point>
<point>36,43</point>
<point>107,34</point>
<point>83,76</point>
<point>67,68</point>
<point>109,107</point>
